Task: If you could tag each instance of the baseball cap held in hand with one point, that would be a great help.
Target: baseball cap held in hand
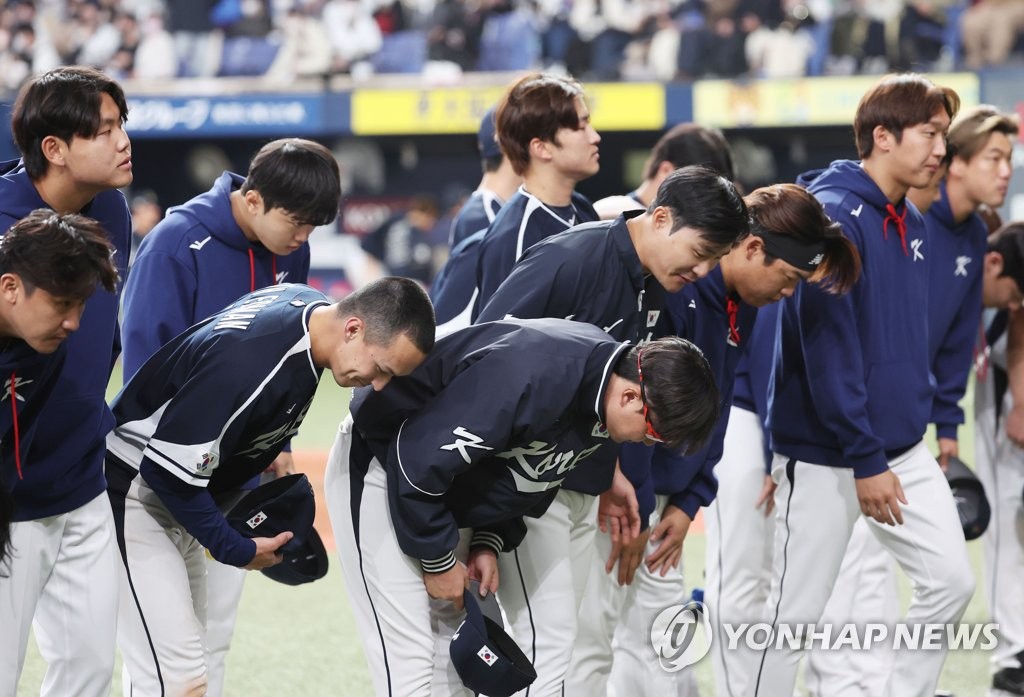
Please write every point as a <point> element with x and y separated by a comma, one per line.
<point>284,504</point>
<point>485,656</point>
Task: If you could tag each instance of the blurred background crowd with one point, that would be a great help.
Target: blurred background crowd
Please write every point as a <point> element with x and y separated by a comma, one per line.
<point>592,39</point>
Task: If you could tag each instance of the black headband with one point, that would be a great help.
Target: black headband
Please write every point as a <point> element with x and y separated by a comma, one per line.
<point>806,256</point>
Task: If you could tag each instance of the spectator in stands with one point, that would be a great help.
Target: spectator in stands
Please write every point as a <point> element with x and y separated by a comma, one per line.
<point>305,45</point>
<point>454,33</point>
<point>196,38</point>
<point>155,56</point>
<point>711,43</point>
<point>353,32</point>
<point>990,29</point>
<point>779,53</point>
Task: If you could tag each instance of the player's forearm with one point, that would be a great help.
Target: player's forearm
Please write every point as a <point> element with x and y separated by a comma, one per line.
<point>193,508</point>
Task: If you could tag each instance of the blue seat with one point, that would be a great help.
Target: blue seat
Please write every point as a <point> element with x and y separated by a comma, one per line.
<point>401,52</point>
<point>247,56</point>
<point>509,41</point>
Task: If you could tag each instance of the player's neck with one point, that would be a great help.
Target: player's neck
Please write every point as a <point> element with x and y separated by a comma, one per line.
<point>646,191</point>
<point>550,186</point>
<point>960,204</point>
<point>880,172</point>
<point>504,182</point>
<point>241,214</point>
<point>61,194</point>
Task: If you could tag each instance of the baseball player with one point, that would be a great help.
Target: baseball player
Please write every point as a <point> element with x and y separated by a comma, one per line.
<point>791,239</point>
<point>978,167</point>
<point>69,126</point>
<point>431,478</point>
<point>613,274</point>
<point>543,125</point>
<point>49,266</point>
<point>245,233</point>
<point>853,394</point>
<point>497,185</point>
<point>1000,459</point>
<point>250,371</point>
<point>543,129</point>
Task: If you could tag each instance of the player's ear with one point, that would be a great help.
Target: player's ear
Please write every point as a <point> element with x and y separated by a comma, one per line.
<point>253,201</point>
<point>353,328</point>
<point>9,284</point>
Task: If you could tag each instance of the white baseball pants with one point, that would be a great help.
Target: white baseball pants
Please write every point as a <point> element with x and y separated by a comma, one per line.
<point>816,509</point>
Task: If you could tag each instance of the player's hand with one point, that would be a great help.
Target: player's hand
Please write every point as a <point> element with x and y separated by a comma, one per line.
<point>266,551</point>
<point>283,465</point>
<point>767,495</point>
<point>483,567</point>
<point>448,585</point>
<point>629,556</point>
<point>948,447</point>
<point>671,531</point>
<point>1015,425</point>
<point>880,497</point>
<point>618,512</point>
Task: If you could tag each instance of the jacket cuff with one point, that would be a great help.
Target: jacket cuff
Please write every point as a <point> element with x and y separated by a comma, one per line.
<point>439,565</point>
<point>490,540</point>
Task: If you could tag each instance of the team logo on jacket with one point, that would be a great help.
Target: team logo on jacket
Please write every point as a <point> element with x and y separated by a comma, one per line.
<point>961,266</point>
<point>18,382</point>
<point>538,466</point>
<point>464,440</point>
<point>281,275</point>
<point>207,463</point>
<point>916,246</point>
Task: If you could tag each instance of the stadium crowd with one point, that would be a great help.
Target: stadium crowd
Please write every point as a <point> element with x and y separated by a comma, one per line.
<point>594,39</point>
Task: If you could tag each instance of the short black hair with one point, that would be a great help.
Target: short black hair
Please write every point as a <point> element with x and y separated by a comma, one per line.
<point>691,144</point>
<point>64,103</point>
<point>391,306</point>
<point>297,176</point>
<point>701,198</point>
<point>65,255</point>
<point>679,388</point>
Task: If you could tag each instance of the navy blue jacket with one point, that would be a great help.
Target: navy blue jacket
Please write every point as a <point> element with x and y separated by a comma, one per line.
<point>954,307</point>
<point>453,291</point>
<point>521,223</point>
<point>66,470</point>
<point>195,262</point>
<point>248,373</point>
<point>475,215</point>
<point>699,313</point>
<point>27,378</point>
<point>852,383</point>
<point>589,274</point>
<point>485,430</point>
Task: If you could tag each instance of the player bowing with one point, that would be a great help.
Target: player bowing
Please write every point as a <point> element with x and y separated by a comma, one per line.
<point>210,410</point>
<point>431,477</point>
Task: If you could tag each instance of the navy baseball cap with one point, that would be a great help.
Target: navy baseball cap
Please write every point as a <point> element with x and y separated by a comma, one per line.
<point>486,137</point>
<point>486,658</point>
<point>968,493</point>
<point>284,504</point>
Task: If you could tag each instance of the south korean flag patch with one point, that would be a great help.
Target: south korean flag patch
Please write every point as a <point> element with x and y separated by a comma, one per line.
<point>487,656</point>
<point>255,521</point>
<point>652,317</point>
